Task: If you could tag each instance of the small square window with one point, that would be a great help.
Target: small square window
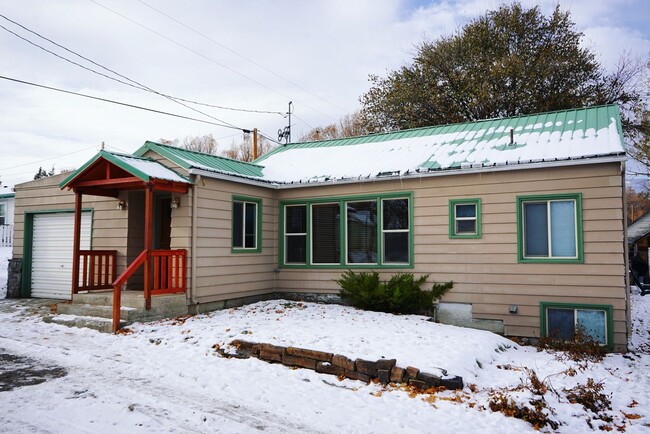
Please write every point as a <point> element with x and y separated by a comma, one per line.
<point>465,218</point>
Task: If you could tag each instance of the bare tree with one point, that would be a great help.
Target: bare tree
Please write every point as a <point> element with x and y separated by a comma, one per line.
<point>350,125</point>
<point>206,144</point>
<point>243,150</point>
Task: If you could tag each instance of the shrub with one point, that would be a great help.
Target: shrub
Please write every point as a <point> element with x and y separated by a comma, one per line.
<point>583,348</point>
<point>400,294</point>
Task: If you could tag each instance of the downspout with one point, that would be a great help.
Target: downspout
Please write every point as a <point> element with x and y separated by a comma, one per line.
<point>626,258</point>
<point>197,181</point>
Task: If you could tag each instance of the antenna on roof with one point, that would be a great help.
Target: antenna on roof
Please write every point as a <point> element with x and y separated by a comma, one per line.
<point>286,132</point>
<point>102,148</point>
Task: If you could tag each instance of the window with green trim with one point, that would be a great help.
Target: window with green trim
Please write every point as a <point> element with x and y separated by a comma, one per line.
<point>342,232</point>
<point>549,228</point>
<point>246,224</point>
<point>562,321</point>
<point>2,214</point>
<point>465,218</point>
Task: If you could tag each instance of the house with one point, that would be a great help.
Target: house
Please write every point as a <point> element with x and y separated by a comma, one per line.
<point>524,214</point>
<point>6,218</point>
<point>638,236</point>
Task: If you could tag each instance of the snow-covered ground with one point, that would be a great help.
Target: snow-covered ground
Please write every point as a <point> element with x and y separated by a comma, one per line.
<point>167,377</point>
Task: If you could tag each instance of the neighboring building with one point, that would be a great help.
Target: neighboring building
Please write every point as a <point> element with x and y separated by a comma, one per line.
<point>525,215</point>
<point>6,218</point>
<point>638,236</point>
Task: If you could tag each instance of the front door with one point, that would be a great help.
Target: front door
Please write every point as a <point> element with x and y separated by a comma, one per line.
<point>162,222</point>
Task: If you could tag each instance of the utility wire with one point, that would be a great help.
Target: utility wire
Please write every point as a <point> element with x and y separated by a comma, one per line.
<point>46,159</point>
<point>143,87</point>
<point>137,85</point>
<point>238,54</point>
<point>205,57</point>
<point>119,103</point>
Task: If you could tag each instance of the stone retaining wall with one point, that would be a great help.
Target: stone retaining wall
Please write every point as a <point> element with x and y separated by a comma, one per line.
<point>384,370</point>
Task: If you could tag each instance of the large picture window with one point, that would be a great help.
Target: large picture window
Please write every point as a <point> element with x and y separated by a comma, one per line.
<point>550,228</point>
<point>563,321</point>
<point>348,232</point>
<point>325,229</point>
<point>246,224</point>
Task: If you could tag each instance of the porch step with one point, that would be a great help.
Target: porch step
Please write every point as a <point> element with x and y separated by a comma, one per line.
<point>103,325</point>
<point>133,299</point>
<point>97,311</point>
<point>99,306</point>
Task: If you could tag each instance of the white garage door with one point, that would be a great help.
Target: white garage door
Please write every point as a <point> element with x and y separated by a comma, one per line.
<point>52,253</point>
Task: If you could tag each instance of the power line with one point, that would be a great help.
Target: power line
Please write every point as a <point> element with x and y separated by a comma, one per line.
<point>46,159</point>
<point>119,103</point>
<point>238,54</point>
<point>117,73</point>
<point>203,56</point>
<point>139,86</point>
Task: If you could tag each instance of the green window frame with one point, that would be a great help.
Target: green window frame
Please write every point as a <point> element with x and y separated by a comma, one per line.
<point>3,217</point>
<point>543,223</point>
<point>460,218</point>
<point>559,315</point>
<point>246,225</point>
<point>369,231</point>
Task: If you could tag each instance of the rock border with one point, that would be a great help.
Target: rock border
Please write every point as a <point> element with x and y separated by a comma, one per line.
<point>384,370</point>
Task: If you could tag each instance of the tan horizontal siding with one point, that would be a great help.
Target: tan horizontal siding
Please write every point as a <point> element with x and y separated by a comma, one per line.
<point>221,274</point>
<point>486,271</point>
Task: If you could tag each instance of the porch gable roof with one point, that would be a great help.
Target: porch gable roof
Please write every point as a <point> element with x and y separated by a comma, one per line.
<point>108,172</point>
<point>197,160</point>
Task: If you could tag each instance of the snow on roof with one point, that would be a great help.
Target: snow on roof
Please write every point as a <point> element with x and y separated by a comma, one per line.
<point>554,136</point>
<point>150,168</point>
<point>638,229</point>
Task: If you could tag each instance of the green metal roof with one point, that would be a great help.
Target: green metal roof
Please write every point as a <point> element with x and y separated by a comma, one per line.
<point>545,138</point>
<point>560,122</point>
<point>143,168</point>
<point>7,195</point>
<point>196,160</point>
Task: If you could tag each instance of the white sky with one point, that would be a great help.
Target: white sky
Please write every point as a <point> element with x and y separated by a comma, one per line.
<point>261,55</point>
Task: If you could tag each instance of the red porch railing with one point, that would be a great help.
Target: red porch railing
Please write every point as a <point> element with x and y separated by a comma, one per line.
<point>98,269</point>
<point>168,271</point>
<point>168,277</point>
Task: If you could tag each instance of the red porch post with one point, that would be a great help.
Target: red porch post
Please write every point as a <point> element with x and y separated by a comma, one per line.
<point>76,246</point>
<point>148,233</point>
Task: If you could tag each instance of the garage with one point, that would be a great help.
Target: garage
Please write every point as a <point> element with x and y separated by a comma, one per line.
<point>52,242</point>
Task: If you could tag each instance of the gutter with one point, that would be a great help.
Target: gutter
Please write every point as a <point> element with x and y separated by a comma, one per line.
<point>412,175</point>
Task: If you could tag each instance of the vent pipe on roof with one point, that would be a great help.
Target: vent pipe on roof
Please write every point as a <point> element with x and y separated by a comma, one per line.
<point>512,136</point>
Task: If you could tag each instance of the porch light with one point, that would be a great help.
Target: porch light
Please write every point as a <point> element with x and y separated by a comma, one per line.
<point>121,205</point>
<point>176,202</point>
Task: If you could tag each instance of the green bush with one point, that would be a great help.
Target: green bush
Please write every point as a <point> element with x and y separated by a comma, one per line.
<point>401,294</point>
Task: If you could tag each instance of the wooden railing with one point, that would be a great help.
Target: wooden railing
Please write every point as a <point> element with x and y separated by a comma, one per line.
<point>117,287</point>
<point>168,271</point>
<point>168,276</point>
<point>98,269</point>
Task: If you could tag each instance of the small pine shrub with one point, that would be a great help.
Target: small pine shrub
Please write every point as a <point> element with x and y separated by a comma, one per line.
<point>400,294</point>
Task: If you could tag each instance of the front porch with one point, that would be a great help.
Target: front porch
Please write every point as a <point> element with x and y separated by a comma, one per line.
<point>154,275</point>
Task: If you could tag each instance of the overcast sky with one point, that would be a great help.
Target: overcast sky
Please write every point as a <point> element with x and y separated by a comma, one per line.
<point>253,55</point>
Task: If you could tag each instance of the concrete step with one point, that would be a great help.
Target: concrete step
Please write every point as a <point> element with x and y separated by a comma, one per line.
<point>133,299</point>
<point>93,310</point>
<point>103,325</point>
